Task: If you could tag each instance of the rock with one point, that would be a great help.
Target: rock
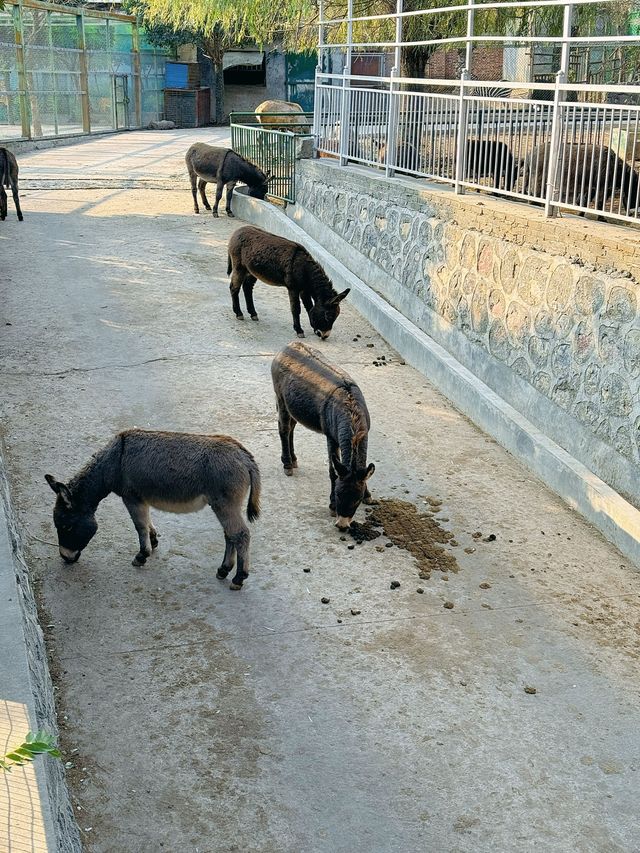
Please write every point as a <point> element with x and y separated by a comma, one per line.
<point>530,690</point>
<point>448,605</point>
<point>325,600</point>
<point>485,585</point>
<point>161,125</point>
<point>394,584</point>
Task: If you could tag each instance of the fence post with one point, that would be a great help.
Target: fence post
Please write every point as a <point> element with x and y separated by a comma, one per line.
<point>22,74</point>
<point>392,124</point>
<point>551,209</point>
<point>317,98</point>
<point>137,72</point>
<point>462,134</point>
<point>84,74</point>
<point>470,28</point>
<point>346,99</point>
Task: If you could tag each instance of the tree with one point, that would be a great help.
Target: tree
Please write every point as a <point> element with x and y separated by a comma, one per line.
<point>218,25</point>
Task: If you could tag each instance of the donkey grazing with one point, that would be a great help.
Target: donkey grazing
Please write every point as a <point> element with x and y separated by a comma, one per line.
<point>591,174</point>
<point>208,164</point>
<point>325,399</point>
<point>172,471</point>
<point>255,254</point>
<point>8,178</point>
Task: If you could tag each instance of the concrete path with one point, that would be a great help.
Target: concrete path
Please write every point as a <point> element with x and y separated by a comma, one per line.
<point>264,720</point>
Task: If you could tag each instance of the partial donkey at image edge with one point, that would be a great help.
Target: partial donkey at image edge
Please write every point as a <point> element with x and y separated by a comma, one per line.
<point>9,179</point>
<point>171,471</point>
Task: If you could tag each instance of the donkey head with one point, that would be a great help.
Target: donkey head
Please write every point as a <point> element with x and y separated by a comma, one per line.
<point>76,525</point>
<point>351,486</point>
<point>324,314</point>
<point>261,186</point>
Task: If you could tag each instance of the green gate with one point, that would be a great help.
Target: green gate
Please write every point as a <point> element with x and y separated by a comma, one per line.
<point>273,151</point>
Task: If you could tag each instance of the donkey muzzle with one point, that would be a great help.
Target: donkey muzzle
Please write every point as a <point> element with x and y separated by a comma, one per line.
<point>323,335</point>
<point>342,523</point>
<point>69,556</point>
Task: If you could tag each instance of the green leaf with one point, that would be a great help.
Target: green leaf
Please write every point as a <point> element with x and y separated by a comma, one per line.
<point>17,759</point>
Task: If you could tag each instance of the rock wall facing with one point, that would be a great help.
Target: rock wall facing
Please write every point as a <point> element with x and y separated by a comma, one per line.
<point>545,311</point>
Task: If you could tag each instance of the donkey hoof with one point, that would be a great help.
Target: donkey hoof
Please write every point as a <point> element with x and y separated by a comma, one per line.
<point>138,561</point>
<point>230,215</point>
<point>239,316</point>
<point>300,334</point>
<point>214,213</point>
<point>288,472</point>
<point>222,573</point>
<point>255,317</point>
<point>233,585</point>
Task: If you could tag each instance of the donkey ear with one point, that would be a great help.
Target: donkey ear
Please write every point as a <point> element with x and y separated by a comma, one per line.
<point>59,489</point>
<point>371,468</point>
<point>340,296</point>
<point>341,470</point>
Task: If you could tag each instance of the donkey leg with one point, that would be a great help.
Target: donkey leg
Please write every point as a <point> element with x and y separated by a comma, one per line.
<point>236,533</point>
<point>332,448</point>
<point>193,178</point>
<point>247,288</point>
<point>16,200</point>
<point>201,185</point>
<point>219,189</point>
<point>292,453</point>
<point>294,301</point>
<point>237,279</point>
<point>3,203</point>
<point>230,188</point>
<point>286,425</point>
<point>139,513</point>
<point>228,560</point>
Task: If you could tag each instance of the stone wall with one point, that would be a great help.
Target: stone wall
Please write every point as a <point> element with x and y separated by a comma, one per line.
<point>544,311</point>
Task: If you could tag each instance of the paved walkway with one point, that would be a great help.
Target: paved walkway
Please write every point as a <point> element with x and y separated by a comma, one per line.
<point>265,720</point>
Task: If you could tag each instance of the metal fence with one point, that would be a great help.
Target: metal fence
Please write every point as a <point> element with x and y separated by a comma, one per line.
<point>273,151</point>
<point>540,109</point>
<point>67,70</point>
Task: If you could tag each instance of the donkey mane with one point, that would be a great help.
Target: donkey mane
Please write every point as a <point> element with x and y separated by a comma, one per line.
<point>91,484</point>
<point>249,167</point>
<point>320,283</point>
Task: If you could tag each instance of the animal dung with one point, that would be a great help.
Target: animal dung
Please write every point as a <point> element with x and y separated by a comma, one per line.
<point>448,605</point>
<point>420,590</point>
<point>355,611</point>
<point>394,585</point>
<point>530,690</point>
<point>325,600</point>
<point>485,585</point>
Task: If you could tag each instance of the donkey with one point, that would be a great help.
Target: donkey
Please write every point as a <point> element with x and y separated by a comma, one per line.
<point>325,399</point>
<point>9,178</point>
<point>256,254</point>
<point>487,158</point>
<point>172,471</point>
<point>222,166</point>
<point>591,174</point>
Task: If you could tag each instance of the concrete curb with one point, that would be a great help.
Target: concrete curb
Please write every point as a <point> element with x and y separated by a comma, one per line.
<point>35,808</point>
<point>616,519</point>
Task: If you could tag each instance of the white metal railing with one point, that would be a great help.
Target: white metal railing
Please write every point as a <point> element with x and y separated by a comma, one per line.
<point>550,138</point>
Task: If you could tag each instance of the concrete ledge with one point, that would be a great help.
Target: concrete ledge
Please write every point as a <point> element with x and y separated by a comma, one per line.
<point>35,809</point>
<point>617,519</point>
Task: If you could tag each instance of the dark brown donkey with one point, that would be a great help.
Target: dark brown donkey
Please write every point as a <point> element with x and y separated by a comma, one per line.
<point>8,178</point>
<point>325,399</point>
<point>256,254</point>
<point>172,471</point>
<point>208,164</point>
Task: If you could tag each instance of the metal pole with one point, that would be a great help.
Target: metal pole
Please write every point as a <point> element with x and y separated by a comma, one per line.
<point>550,209</point>
<point>317,99</point>
<point>470,28</point>
<point>84,74</point>
<point>137,74</point>
<point>394,98</point>
<point>345,108</point>
<point>54,76</point>
<point>462,134</point>
<point>22,75</point>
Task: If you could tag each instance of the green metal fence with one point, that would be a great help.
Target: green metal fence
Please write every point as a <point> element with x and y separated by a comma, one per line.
<point>273,151</point>
<point>67,70</point>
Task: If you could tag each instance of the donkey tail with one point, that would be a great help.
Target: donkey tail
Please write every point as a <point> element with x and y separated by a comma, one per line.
<point>4,168</point>
<point>253,504</point>
<point>229,264</point>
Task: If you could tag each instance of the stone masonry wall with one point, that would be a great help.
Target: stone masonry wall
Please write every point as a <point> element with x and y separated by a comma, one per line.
<point>555,301</point>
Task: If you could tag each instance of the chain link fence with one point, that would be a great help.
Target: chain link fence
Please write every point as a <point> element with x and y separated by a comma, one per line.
<point>68,70</point>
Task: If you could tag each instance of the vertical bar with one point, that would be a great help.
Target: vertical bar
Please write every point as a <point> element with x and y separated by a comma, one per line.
<point>54,86</point>
<point>84,74</point>
<point>22,76</point>
<point>470,30</point>
<point>137,72</point>
<point>318,103</point>
<point>462,133</point>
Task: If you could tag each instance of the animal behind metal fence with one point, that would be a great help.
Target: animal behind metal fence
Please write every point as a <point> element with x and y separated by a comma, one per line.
<point>547,113</point>
<point>273,151</point>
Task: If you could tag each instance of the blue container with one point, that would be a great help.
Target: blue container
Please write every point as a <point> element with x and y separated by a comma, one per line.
<point>182,75</point>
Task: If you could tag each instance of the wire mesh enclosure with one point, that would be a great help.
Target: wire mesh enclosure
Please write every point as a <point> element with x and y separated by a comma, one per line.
<point>536,100</point>
<point>66,70</point>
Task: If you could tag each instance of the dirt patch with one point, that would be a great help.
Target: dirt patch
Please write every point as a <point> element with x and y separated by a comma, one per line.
<point>419,534</point>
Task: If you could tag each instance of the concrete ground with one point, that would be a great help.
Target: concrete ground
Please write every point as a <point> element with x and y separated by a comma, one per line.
<point>209,720</point>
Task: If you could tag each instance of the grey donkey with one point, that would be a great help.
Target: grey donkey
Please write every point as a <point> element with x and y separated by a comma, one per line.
<point>172,471</point>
